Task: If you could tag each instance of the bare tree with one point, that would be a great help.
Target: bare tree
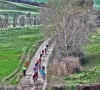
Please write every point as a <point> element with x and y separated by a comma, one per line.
<point>29,19</point>
<point>15,20</point>
<point>22,21</point>
<point>6,21</point>
<point>35,20</point>
<point>1,22</point>
<point>71,25</point>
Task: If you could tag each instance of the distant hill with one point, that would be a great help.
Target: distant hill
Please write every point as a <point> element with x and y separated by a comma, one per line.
<point>12,8</point>
<point>37,0</point>
<point>31,2</point>
<point>96,4</point>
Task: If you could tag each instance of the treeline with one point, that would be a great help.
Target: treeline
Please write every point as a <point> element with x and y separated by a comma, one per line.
<point>18,20</point>
<point>41,4</point>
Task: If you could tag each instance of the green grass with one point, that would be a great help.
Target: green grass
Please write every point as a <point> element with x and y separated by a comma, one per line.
<point>12,8</point>
<point>13,43</point>
<point>89,76</point>
<point>14,12</point>
<point>22,6</point>
<point>91,70</point>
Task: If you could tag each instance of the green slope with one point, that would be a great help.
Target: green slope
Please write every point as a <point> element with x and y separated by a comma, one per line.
<point>13,12</point>
<point>13,43</point>
<point>17,8</point>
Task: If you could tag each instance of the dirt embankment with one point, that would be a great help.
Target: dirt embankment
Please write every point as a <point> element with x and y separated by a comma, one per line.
<point>57,69</point>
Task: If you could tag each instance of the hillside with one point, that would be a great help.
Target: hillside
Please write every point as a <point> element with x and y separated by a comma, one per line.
<point>12,8</point>
<point>39,1</point>
<point>90,74</point>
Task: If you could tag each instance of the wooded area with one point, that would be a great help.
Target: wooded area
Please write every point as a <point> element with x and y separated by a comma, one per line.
<point>71,22</point>
<point>18,20</point>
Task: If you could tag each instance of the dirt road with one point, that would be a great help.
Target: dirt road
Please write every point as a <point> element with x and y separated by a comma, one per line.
<point>26,82</point>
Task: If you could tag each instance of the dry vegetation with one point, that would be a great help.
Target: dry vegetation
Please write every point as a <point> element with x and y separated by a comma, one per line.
<point>71,24</point>
<point>65,67</point>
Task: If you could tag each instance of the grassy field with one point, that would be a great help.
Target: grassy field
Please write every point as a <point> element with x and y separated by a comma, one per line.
<point>91,70</point>
<point>12,8</point>
<point>13,43</point>
<point>11,13</point>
